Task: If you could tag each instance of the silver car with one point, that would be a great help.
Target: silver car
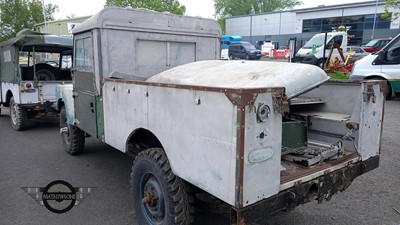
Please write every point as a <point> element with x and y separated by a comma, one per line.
<point>358,53</point>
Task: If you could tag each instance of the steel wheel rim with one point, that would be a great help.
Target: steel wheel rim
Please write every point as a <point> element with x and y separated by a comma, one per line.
<point>154,215</point>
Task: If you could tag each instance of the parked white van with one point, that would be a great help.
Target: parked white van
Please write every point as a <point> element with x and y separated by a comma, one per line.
<point>313,51</point>
<point>383,65</point>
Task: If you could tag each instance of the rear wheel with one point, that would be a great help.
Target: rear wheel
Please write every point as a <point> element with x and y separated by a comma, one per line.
<point>247,57</point>
<point>72,137</point>
<point>18,116</point>
<point>231,57</point>
<point>159,197</point>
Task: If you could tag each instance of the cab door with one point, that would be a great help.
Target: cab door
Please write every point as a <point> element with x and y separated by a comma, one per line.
<point>84,92</point>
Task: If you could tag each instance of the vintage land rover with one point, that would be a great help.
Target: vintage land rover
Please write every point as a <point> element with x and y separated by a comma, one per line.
<point>258,136</point>
<point>31,66</point>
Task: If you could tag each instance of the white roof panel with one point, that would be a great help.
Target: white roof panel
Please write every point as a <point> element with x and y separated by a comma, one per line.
<point>295,77</point>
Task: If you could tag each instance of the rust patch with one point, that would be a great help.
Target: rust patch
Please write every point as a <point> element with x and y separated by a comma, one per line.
<point>240,154</point>
<point>199,88</point>
<point>369,94</point>
<point>281,104</point>
<point>242,99</point>
<point>242,222</point>
<point>295,171</point>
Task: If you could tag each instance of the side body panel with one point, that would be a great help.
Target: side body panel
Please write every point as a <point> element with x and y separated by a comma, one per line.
<point>13,88</point>
<point>196,128</point>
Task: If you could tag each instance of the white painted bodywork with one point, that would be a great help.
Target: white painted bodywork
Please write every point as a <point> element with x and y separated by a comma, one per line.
<point>211,135</point>
<point>37,94</point>
<point>172,115</point>
<point>14,88</point>
<point>65,92</point>
<point>296,78</point>
<point>198,128</point>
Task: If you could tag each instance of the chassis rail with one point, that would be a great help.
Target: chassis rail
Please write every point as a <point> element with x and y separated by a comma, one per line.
<point>321,188</point>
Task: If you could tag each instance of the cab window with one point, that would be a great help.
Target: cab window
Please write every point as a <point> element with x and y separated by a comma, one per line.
<point>393,53</point>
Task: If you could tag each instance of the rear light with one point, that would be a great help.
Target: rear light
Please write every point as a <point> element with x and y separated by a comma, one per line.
<point>28,85</point>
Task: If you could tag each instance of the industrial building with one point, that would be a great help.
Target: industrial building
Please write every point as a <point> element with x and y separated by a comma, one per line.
<point>363,21</point>
<point>60,27</point>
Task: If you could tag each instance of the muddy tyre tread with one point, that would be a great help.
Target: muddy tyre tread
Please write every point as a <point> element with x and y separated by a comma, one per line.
<point>181,210</point>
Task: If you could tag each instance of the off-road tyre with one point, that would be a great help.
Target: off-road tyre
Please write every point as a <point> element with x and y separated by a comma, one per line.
<point>151,172</point>
<point>18,116</point>
<point>73,138</point>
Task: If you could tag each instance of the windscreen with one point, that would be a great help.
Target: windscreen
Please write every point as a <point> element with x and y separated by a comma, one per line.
<point>372,43</point>
<point>317,40</point>
<point>249,46</point>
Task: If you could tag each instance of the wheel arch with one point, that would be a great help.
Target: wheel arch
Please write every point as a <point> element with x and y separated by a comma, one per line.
<point>140,140</point>
<point>9,94</point>
<point>59,104</point>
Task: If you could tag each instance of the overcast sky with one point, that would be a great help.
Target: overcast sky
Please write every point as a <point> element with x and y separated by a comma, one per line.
<point>203,8</point>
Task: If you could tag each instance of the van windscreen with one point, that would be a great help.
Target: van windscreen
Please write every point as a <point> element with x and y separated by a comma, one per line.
<point>317,40</point>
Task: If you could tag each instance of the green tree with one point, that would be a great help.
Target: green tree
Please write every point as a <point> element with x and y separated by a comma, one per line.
<point>391,4</point>
<point>226,8</point>
<point>18,14</point>
<point>172,6</point>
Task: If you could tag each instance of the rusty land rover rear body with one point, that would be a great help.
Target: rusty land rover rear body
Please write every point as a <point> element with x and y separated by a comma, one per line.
<point>260,136</point>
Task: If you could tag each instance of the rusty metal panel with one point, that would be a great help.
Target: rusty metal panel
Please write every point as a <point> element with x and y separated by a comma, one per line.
<point>296,78</point>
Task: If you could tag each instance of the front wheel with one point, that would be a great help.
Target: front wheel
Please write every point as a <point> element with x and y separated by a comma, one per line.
<point>18,116</point>
<point>72,137</point>
<point>231,57</point>
<point>247,57</point>
<point>159,197</point>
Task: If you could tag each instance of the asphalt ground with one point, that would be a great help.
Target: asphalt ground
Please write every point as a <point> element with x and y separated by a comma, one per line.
<point>34,158</point>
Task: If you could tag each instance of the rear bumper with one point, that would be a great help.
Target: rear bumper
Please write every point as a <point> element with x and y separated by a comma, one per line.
<point>321,188</point>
